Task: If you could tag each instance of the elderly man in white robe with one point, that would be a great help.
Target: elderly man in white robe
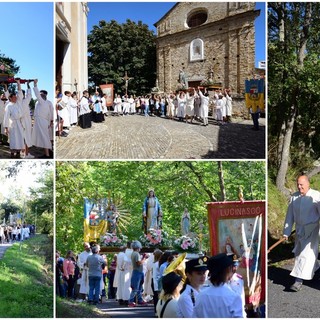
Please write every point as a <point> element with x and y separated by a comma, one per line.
<point>13,125</point>
<point>43,121</point>
<point>304,211</point>
<point>84,280</point>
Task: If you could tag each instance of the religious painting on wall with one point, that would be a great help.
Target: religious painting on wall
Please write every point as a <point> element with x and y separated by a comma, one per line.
<point>108,90</point>
<point>238,229</point>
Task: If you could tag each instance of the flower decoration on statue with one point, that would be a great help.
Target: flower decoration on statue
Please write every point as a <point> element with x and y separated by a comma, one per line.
<point>186,244</point>
<point>112,240</point>
<point>152,239</point>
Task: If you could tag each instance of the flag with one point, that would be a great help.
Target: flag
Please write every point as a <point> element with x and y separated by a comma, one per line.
<point>94,224</point>
<point>254,95</point>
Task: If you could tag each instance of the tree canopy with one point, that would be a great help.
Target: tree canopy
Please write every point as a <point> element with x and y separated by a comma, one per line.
<point>294,96</point>
<point>177,185</point>
<point>115,48</point>
<point>7,66</point>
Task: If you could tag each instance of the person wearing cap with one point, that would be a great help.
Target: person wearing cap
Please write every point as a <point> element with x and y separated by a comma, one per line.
<point>236,282</point>
<point>137,277</point>
<point>218,300</point>
<point>42,132</point>
<point>196,271</point>
<point>167,306</point>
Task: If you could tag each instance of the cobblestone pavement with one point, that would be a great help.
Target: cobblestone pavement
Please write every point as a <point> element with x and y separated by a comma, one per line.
<point>139,137</point>
<point>5,152</point>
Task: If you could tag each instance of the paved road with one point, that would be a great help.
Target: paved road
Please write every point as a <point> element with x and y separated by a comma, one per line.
<point>3,248</point>
<point>5,152</point>
<point>112,309</point>
<point>139,137</point>
<point>283,303</point>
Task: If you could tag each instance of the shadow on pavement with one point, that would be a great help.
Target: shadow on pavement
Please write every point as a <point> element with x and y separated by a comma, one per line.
<point>239,141</point>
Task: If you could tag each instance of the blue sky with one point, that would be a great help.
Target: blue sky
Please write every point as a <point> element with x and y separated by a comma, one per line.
<point>150,12</point>
<point>27,37</point>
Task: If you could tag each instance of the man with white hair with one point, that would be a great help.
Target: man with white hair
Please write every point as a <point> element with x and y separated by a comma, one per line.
<point>304,212</point>
<point>137,277</point>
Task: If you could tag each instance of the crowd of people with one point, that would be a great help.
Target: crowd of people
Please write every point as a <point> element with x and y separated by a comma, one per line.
<point>207,288</point>
<point>12,233</point>
<point>190,106</point>
<point>21,128</point>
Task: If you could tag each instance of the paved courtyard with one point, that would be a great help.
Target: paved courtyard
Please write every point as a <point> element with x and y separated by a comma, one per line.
<point>139,137</point>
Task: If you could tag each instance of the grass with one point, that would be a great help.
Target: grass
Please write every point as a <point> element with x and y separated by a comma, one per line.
<point>70,309</point>
<point>26,279</point>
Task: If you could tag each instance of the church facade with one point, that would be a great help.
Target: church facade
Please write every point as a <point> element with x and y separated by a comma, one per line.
<point>71,46</point>
<point>211,42</point>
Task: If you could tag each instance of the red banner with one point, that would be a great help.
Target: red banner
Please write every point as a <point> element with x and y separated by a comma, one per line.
<point>238,228</point>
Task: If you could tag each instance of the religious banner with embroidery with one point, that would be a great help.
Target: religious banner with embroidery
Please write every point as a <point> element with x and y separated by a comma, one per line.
<point>238,229</point>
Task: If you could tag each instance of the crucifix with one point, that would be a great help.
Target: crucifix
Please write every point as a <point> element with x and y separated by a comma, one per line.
<point>126,79</point>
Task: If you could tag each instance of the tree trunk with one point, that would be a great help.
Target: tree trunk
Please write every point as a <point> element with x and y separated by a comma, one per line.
<point>221,181</point>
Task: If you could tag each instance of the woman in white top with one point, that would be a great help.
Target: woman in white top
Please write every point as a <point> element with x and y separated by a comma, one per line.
<point>167,306</point>
<point>190,105</point>
<point>219,300</point>
<point>196,272</point>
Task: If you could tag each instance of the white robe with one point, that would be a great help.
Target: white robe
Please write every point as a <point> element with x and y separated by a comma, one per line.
<point>26,119</point>
<point>148,276</point>
<point>12,121</point>
<point>228,105</point>
<point>204,106</point>
<point>123,277</point>
<point>73,111</point>
<point>65,112</point>
<point>43,115</point>
<point>190,105</point>
<point>304,211</point>
<point>181,113</point>
<point>84,280</point>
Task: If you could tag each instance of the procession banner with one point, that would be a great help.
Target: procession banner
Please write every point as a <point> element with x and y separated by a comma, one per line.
<point>95,224</point>
<point>255,94</point>
<point>108,90</point>
<point>238,229</point>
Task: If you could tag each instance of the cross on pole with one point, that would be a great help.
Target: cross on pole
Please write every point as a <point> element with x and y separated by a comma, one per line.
<point>126,79</point>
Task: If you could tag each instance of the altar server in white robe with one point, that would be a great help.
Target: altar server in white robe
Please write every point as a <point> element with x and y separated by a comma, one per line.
<point>26,122</point>
<point>13,125</point>
<point>3,102</point>
<point>73,104</point>
<point>204,106</point>
<point>84,280</point>
<point>304,212</point>
<point>123,277</point>
<point>43,121</point>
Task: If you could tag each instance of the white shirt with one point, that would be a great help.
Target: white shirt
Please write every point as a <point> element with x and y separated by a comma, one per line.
<point>170,310</point>
<point>218,302</point>
<point>186,302</point>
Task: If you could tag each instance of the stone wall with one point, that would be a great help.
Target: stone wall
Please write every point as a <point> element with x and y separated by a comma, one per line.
<point>228,44</point>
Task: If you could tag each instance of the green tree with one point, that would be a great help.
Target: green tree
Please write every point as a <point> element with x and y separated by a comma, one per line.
<point>177,185</point>
<point>7,66</point>
<point>294,97</point>
<point>115,48</point>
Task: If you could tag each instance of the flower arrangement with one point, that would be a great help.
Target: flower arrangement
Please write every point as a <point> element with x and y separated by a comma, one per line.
<point>152,239</point>
<point>186,244</point>
<point>112,240</point>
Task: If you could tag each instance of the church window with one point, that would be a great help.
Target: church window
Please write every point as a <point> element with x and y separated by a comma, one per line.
<point>197,18</point>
